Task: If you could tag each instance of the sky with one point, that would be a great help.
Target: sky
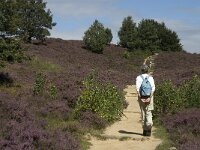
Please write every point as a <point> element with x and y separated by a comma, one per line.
<point>74,17</point>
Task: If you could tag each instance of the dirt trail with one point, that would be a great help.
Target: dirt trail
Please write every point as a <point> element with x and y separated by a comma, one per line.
<point>127,133</point>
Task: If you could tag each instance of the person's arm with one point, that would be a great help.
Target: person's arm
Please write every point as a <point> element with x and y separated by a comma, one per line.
<point>138,84</point>
<point>153,86</point>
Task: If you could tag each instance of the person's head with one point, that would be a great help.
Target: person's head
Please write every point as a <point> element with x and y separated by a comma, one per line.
<point>144,69</point>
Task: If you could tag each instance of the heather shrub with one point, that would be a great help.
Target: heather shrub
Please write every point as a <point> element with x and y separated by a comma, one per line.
<point>56,109</point>
<point>91,120</point>
<point>184,129</point>
<point>95,37</point>
<point>104,99</point>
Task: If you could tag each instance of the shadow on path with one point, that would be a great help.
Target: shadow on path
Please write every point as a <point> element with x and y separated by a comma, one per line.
<point>127,132</point>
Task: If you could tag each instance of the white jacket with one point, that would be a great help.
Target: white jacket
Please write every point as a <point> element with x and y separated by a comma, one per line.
<point>139,82</point>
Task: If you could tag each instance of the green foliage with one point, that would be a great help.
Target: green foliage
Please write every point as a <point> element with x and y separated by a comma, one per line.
<point>39,85</point>
<point>35,19</point>
<point>126,54</point>
<point>170,99</point>
<point>95,37</point>
<point>25,18</point>
<point>43,87</point>
<point>166,98</point>
<point>11,51</point>
<point>149,35</point>
<point>53,91</point>
<point>128,34</point>
<point>43,65</point>
<point>190,92</point>
<point>101,98</point>
<point>169,40</point>
<point>108,35</point>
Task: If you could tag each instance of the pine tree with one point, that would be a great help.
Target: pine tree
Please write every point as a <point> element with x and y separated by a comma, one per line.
<point>128,34</point>
<point>109,35</point>
<point>35,19</point>
<point>95,37</point>
<point>148,34</point>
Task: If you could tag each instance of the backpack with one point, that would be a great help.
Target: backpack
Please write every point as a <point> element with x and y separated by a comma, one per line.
<point>145,88</point>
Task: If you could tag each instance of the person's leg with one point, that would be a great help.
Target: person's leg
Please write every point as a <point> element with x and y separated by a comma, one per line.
<point>149,122</point>
<point>143,116</point>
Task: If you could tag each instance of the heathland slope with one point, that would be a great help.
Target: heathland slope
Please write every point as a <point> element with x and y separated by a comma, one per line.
<point>56,69</point>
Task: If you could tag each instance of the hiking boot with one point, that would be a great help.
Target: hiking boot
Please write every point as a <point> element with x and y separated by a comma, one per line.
<point>148,133</point>
<point>144,132</point>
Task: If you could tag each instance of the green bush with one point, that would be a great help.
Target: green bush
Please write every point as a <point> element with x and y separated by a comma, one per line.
<point>39,85</point>
<point>101,98</point>
<point>53,91</point>
<point>11,50</point>
<point>170,99</point>
<point>190,92</point>
<point>166,99</point>
<point>95,37</point>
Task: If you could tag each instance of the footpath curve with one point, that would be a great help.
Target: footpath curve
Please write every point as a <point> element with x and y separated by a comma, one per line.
<point>126,134</point>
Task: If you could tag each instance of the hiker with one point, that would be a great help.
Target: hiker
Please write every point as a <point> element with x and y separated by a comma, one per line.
<point>145,102</point>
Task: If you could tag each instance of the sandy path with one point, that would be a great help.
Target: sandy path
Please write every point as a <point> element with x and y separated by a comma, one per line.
<point>128,129</point>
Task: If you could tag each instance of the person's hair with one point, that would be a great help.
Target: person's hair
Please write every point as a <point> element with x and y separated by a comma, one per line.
<point>144,68</point>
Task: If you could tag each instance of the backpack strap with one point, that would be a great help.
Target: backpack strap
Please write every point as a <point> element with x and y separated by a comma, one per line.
<point>144,78</point>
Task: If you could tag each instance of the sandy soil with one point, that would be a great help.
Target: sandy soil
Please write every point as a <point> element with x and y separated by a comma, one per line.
<point>127,133</point>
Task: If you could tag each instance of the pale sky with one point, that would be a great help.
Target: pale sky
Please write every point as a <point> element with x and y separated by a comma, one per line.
<point>74,17</point>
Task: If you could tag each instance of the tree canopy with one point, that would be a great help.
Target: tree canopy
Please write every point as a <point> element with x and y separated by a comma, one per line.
<point>148,35</point>
<point>25,18</point>
<point>96,37</point>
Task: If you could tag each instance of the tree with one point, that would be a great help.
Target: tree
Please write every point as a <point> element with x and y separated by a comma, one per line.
<point>95,38</point>
<point>25,18</point>
<point>9,21</point>
<point>108,35</point>
<point>169,40</point>
<point>148,34</point>
<point>128,34</point>
<point>35,19</point>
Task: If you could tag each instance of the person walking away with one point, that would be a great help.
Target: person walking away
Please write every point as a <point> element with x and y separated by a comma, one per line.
<point>145,83</point>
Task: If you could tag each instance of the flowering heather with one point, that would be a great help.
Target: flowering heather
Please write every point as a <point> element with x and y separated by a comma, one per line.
<point>176,66</point>
<point>90,119</point>
<point>184,129</point>
<point>65,64</point>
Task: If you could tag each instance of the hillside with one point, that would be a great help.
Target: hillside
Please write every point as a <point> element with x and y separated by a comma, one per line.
<point>29,121</point>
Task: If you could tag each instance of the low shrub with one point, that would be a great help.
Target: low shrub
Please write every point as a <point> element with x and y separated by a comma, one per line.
<point>39,85</point>
<point>170,98</point>
<point>11,50</point>
<point>91,120</point>
<point>184,129</point>
<point>166,99</point>
<point>104,99</point>
<point>190,92</point>
<point>42,86</point>
<point>5,79</point>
